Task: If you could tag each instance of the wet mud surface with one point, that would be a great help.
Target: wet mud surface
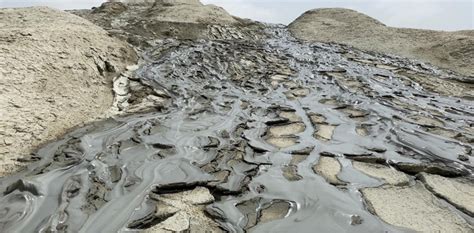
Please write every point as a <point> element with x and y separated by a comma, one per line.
<point>243,125</point>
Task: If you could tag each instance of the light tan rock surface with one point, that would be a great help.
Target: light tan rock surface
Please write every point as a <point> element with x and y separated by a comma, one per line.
<point>385,173</point>
<point>450,50</point>
<point>457,191</point>
<point>413,207</point>
<point>56,72</point>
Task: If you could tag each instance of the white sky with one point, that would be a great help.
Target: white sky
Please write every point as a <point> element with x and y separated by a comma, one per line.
<point>427,14</point>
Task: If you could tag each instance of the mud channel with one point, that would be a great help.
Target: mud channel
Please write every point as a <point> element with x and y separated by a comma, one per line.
<point>244,137</point>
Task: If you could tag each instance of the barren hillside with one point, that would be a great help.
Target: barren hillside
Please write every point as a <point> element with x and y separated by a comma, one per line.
<point>56,72</point>
<point>450,50</point>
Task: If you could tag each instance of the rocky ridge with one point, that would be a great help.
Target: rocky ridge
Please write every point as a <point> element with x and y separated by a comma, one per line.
<point>143,22</point>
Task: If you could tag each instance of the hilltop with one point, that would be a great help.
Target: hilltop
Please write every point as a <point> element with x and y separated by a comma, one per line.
<point>449,50</point>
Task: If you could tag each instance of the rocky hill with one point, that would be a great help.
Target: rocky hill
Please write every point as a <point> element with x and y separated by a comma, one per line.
<point>56,72</point>
<point>143,22</point>
<point>450,50</point>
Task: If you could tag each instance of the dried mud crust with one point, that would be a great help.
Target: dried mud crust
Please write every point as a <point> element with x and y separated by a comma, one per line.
<point>56,72</point>
<point>415,208</point>
<point>264,137</point>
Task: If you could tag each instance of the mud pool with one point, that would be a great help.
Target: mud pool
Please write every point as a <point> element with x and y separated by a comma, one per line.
<point>249,122</point>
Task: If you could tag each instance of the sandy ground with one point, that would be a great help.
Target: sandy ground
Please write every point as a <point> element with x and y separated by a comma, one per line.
<point>56,72</point>
<point>450,50</point>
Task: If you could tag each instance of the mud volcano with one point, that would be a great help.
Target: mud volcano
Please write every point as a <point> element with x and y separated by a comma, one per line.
<point>275,135</point>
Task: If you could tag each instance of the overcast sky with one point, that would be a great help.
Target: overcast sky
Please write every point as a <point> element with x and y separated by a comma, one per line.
<point>427,14</point>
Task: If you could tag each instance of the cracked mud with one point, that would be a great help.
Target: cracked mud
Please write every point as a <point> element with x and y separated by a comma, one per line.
<point>271,136</point>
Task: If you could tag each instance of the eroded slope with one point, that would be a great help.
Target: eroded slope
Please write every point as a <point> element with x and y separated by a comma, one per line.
<point>56,72</point>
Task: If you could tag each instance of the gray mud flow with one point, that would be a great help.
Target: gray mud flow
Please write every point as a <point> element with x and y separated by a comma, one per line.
<point>248,122</point>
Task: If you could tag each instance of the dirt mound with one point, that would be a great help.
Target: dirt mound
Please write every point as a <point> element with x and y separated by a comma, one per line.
<point>56,71</point>
<point>142,22</point>
<point>450,50</point>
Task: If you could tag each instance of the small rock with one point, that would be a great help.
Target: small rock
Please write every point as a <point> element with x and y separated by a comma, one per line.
<point>132,67</point>
<point>121,86</point>
<point>7,141</point>
<point>356,220</point>
<point>463,158</point>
